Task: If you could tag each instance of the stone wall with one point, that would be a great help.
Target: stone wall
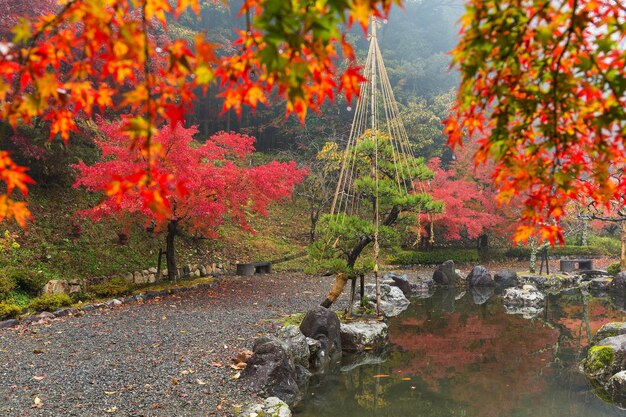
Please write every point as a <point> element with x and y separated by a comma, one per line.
<point>149,276</point>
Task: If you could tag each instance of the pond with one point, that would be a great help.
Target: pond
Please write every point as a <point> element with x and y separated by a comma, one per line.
<point>453,357</point>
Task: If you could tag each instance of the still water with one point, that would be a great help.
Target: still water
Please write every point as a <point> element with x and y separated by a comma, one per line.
<point>453,357</point>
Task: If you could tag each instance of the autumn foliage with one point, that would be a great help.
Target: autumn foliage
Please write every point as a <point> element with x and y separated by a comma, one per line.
<point>543,87</point>
<point>205,184</point>
<point>468,210</point>
<point>91,55</point>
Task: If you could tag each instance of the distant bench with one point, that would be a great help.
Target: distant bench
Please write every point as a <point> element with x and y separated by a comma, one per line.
<point>569,265</point>
<point>254,268</point>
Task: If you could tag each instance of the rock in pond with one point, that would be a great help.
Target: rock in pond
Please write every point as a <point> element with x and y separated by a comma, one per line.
<point>619,282</point>
<point>605,358</point>
<point>506,278</point>
<point>616,388</point>
<point>401,281</point>
<point>295,344</point>
<point>362,335</point>
<point>322,324</point>
<point>600,283</point>
<point>446,275</point>
<point>392,300</point>
<point>609,330</point>
<point>480,277</point>
<point>271,372</point>
<point>527,296</point>
<point>272,406</point>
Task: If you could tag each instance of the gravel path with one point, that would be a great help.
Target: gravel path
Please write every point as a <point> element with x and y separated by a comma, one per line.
<point>165,357</point>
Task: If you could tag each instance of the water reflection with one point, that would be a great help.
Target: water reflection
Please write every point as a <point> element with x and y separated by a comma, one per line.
<point>457,354</point>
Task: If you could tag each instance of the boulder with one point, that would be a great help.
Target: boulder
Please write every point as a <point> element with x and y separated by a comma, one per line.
<point>8,323</point>
<point>203,271</point>
<point>506,278</point>
<point>273,406</point>
<point>600,283</point>
<point>323,325</point>
<point>605,359</point>
<point>152,278</point>
<point>152,270</point>
<point>619,282</point>
<point>62,312</point>
<point>271,372</point>
<point>392,300</point>
<point>616,388</point>
<point>295,344</point>
<point>527,296</point>
<point>480,277</point>
<point>140,278</point>
<point>129,277</point>
<point>609,330</point>
<point>359,336</point>
<point>402,282</point>
<point>446,275</point>
<point>56,286</point>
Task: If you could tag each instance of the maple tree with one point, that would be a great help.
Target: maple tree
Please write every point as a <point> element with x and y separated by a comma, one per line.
<point>467,209</point>
<point>542,86</point>
<point>93,55</point>
<point>207,184</point>
<point>469,198</point>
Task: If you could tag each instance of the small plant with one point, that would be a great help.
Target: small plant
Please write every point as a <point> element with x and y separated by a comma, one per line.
<point>28,281</point>
<point>613,269</point>
<point>50,302</point>
<point>9,310</point>
<point>7,285</point>
<point>111,288</point>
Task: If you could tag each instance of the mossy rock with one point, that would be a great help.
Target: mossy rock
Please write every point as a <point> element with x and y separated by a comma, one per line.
<point>609,330</point>
<point>598,360</point>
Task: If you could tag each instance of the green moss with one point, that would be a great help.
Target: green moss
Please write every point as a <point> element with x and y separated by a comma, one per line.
<point>112,288</point>
<point>50,302</point>
<point>598,357</point>
<point>614,268</point>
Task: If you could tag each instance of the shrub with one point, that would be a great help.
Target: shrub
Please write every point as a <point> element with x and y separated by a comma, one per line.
<point>437,256</point>
<point>9,310</point>
<point>50,302</point>
<point>523,252</point>
<point>611,245</point>
<point>614,268</point>
<point>7,285</point>
<point>28,281</point>
<point>111,288</point>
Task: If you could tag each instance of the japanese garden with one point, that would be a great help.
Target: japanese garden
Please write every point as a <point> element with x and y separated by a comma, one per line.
<point>312,208</point>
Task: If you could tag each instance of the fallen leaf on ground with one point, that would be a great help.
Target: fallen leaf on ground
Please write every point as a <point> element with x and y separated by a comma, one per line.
<point>239,366</point>
<point>187,372</point>
<point>200,382</point>
<point>217,364</point>
<point>110,410</point>
<point>236,376</point>
<point>110,392</point>
<point>37,403</point>
<point>39,377</point>
<point>37,351</point>
<point>381,376</point>
<point>174,381</point>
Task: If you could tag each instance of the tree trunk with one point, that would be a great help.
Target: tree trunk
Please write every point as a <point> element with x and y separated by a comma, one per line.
<point>170,253</point>
<point>622,259</point>
<point>315,215</point>
<point>340,280</point>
